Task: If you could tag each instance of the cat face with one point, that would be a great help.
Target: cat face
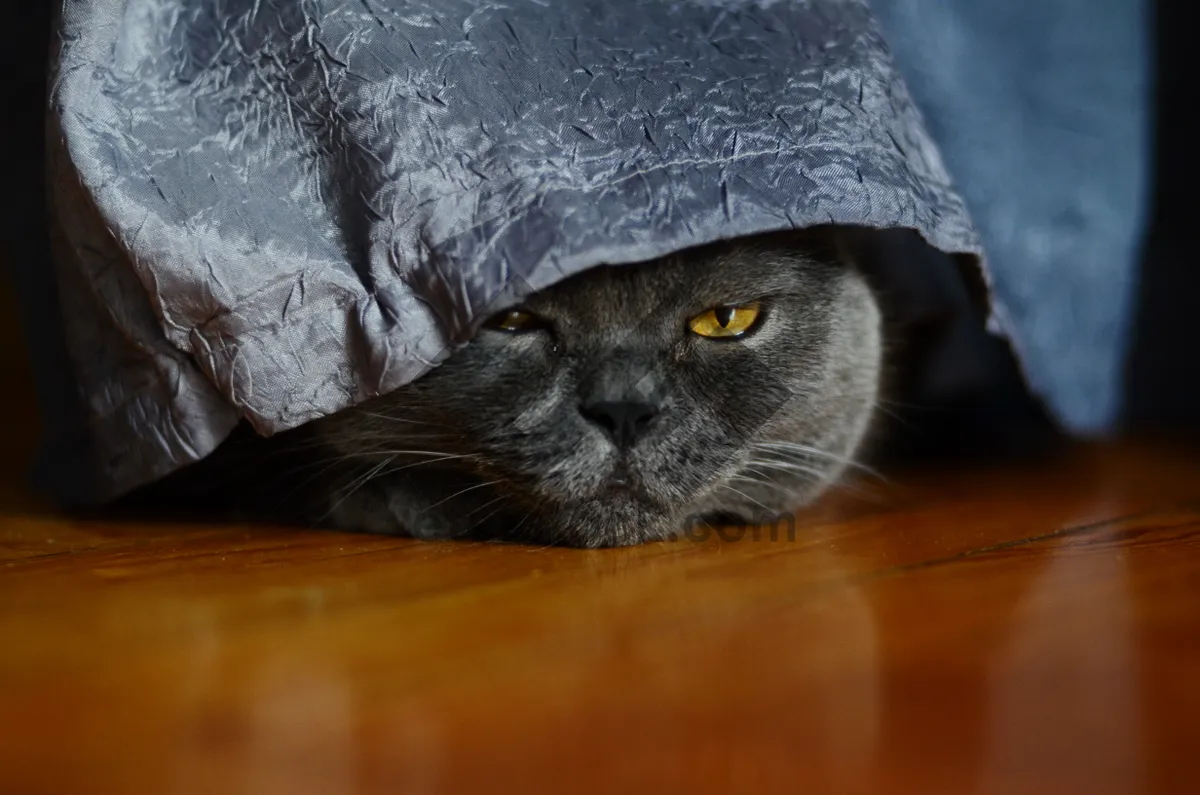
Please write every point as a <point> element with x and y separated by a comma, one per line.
<point>733,380</point>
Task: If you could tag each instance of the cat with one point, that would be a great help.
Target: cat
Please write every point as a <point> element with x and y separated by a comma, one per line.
<point>735,381</point>
<point>727,384</point>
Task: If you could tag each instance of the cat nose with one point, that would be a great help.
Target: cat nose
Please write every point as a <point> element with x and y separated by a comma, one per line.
<point>624,420</point>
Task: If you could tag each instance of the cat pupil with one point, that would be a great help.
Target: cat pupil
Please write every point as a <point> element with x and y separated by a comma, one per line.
<point>724,315</point>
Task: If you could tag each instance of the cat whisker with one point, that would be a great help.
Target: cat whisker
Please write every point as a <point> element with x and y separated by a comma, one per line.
<point>433,461</point>
<point>822,477</point>
<point>775,466</point>
<point>881,407</point>
<point>374,472</point>
<point>831,484</point>
<point>789,466</point>
<point>366,444</point>
<point>519,524</point>
<point>329,463</point>
<point>462,492</point>
<point>481,507</point>
<point>383,437</point>
<point>744,495</point>
<point>489,515</point>
<point>394,470</point>
<point>397,453</point>
<point>796,447</point>
<point>762,481</point>
<point>389,418</point>
<point>804,451</point>
<point>375,438</point>
<point>357,484</point>
<point>851,488</point>
<point>333,461</point>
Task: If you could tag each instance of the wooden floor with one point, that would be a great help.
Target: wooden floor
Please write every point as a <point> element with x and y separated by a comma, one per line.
<point>1027,631</point>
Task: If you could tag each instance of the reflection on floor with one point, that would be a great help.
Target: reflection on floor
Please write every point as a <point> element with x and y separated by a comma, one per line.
<point>1028,630</point>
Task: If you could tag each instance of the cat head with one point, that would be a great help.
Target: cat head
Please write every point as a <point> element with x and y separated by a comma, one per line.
<point>734,380</point>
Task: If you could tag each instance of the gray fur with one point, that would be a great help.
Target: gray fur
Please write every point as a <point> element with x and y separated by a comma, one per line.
<point>493,443</point>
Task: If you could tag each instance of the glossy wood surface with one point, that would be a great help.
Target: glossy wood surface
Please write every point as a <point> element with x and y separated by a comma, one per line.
<point>1002,632</point>
<point>1023,630</point>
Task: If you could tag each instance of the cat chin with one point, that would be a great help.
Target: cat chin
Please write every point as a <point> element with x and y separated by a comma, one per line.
<point>614,519</point>
<point>612,515</point>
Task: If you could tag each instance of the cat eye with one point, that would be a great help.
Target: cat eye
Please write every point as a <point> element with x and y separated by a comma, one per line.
<point>516,320</point>
<point>725,321</point>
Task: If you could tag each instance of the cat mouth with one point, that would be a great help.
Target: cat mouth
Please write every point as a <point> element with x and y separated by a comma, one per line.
<point>627,499</point>
<point>617,516</point>
<point>620,482</point>
<point>624,492</point>
<point>624,486</point>
<point>616,509</point>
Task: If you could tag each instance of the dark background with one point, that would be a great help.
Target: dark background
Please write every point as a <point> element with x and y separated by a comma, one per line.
<point>1163,369</point>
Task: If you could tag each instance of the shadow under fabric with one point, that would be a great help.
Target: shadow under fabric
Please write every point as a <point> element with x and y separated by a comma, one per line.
<point>269,214</point>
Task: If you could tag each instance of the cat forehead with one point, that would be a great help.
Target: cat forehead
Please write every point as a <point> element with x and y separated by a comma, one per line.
<point>715,274</point>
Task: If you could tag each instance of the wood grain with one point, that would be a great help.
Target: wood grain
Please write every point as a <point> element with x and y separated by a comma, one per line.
<point>1011,631</point>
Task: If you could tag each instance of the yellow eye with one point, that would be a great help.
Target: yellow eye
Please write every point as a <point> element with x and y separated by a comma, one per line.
<point>516,320</point>
<point>725,321</point>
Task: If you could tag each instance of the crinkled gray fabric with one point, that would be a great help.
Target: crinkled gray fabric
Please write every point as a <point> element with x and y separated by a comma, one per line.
<point>275,209</point>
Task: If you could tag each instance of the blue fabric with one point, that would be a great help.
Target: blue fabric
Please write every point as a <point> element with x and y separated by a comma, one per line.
<point>1041,109</point>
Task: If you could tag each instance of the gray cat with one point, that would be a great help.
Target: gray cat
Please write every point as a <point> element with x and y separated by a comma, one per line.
<point>735,381</point>
<point>731,384</point>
